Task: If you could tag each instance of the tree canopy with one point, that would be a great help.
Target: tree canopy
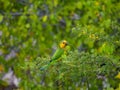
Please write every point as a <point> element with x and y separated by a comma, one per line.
<point>30,31</point>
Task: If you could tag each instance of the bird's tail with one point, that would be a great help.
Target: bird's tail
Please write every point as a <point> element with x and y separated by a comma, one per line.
<point>46,66</point>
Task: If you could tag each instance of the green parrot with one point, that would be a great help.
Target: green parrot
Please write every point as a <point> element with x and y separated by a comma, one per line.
<point>58,53</point>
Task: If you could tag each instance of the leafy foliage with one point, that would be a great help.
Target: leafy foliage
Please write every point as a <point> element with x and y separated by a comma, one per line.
<point>77,70</point>
<point>30,29</point>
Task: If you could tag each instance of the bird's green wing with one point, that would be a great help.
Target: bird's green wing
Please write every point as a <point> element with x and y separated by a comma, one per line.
<point>57,54</point>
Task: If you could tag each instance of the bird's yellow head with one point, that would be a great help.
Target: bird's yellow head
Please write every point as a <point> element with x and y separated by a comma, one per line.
<point>63,44</point>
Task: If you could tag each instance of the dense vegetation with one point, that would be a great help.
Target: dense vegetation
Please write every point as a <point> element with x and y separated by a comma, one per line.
<point>30,31</point>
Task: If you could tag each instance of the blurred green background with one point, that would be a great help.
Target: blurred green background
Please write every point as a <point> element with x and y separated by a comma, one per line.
<point>30,29</point>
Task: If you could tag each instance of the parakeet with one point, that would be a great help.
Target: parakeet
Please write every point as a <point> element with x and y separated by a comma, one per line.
<point>58,53</point>
<point>118,75</point>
